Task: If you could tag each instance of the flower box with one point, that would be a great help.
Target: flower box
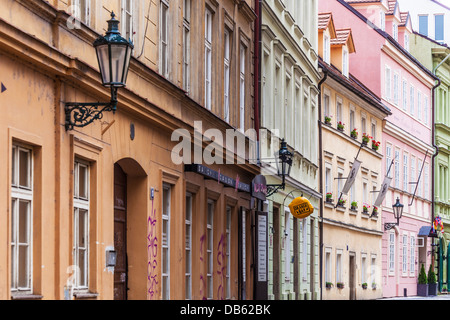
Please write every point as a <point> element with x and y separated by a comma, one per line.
<point>340,285</point>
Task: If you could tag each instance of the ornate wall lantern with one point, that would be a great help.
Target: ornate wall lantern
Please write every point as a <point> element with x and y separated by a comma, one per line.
<point>398,211</point>
<point>284,164</point>
<point>113,55</point>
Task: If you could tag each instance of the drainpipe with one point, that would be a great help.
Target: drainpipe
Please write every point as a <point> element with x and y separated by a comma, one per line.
<point>325,75</point>
<point>433,128</point>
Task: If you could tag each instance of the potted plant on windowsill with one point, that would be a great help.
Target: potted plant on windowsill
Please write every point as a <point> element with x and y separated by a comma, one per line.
<point>374,286</point>
<point>341,202</point>
<point>364,285</point>
<point>365,139</point>
<point>354,205</point>
<point>328,285</point>
<point>432,283</point>
<point>328,120</point>
<point>375,211</point>
<point>329,197</point>
<point>354,134</point>
<point>422,283</point>
<point>366,208</point>
<point>375,145</point>
<point>340,126</point>
<point>340,285</point>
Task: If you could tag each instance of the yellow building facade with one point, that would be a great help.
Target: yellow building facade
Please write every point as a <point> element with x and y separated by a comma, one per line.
<point>74,200</point>
<point>351,236</point>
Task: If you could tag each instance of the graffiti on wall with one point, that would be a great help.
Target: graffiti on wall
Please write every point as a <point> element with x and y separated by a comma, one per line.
<point>221,272</point>
<point>152,254</point>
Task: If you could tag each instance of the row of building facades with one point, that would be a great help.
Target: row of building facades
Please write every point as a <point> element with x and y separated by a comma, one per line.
<point>174,184</point>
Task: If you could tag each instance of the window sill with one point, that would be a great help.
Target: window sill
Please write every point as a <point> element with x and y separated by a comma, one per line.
<point>26,297</point>
<point>85,295</point>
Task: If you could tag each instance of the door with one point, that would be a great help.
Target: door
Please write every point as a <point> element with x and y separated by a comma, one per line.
<point>120,233</point>
<point>351,280</point>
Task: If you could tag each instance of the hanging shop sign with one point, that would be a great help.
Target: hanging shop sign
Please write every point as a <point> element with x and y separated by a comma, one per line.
<point>301,208</point>
<point>259,187</point>
<point>220,178</point>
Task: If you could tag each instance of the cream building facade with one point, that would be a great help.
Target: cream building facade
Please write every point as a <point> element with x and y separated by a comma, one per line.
<point>289,111</point>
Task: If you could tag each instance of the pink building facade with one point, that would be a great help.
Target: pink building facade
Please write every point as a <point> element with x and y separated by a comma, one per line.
<point>383,64</point>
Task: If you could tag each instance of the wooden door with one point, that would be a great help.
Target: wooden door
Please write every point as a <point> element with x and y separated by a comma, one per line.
<point>120,233</point>
<point>351,280</point>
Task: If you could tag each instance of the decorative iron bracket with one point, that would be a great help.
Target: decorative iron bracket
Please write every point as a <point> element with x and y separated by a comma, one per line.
<point>273,188</point>
<point>82,114</point>
<point>389,225</point>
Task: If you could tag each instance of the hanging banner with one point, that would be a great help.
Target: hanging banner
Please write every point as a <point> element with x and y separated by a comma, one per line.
<point>301,208</point>
<point>383,191</point>
<point>351,177</point>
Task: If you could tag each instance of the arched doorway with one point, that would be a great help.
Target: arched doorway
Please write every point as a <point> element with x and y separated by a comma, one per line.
<point>130,234</point>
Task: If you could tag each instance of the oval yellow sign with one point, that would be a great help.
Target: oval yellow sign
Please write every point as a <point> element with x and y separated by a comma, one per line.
<point>301,208</point>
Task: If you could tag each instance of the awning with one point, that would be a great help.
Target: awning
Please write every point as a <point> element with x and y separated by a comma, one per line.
<point>426,231</point>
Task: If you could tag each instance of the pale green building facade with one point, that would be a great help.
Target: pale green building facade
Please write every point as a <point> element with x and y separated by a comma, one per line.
<point>436,57</point>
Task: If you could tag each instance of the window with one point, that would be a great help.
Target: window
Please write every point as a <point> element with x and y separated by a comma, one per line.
<point>243,54</point>
<point>208,57</point>
<point>326,49</point>
<point>352,119</point>
<point>338,109</point>
<point>127,19</point>
<point>81,224</point>
<point>374,129</point>
<point>165,259</point>
<point>426,182</point>
<point>405,254</point>
<point>395,31</point>
<point>389,159</point>
<point>326,99</point>
<point>228,254</point>
<point>373,270</point>
<point>339,182</point>
<point>287,246</point>
<point>365,193</point>
<point>396,88</point>
<point>397,168</point>
<point>423,25</point>
<point>327,265</point>
<point>412,255</point>
<point>81,10</point>
<point>391,252</point>
<point>21,219</point>
<point>187,45</point>
<point>328,187</point>
<point>164,42</point>
<point>345,62</point>
<point>382,21</point>
<point>411,100</point>
<point>339,266</point>
<point>425,110</point>
<point>363,124</point>
<point>439,27</point>
<point>419,183</point>
<point>419,105</point>
<point>226,70</point>
<point>188,246</point>
<point>406,45</point>
<point>209,249</point>
<point>363,269</point>
<point>405,95</point>
<point>387,80</point>
<point>405,172</point>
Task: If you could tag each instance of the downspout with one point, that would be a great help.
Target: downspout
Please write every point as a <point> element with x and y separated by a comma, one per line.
<point>325,75</point>
<point>433,128</point>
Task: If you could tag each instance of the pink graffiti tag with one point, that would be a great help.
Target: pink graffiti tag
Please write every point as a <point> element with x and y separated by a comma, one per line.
<point>221,263</point>
<point>152,253</point>
<point>202,277</point>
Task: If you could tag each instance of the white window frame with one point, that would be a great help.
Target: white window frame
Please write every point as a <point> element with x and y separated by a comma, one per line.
<point>328,264</point>
<point>242,86</point>
<point>412,255</point>
<point>165,244</point>
<point>21,193</point>
<point>397,168</point>
<point>188,245</point>
<point>287,245</point>
<point>339,253</point>
<point>127,14</point>
<point>411,99</point>
<point>426,191</point>
<point>405,94</point>
<point>81,206</point>
<point>391,252</point>
<point>405,172</point>
<point>345,69</point>
<point>419,105</point>
<point>187,45</point>
<point>389,158</point>
<point>226,71</point>
<point>164,38</point>
<point>363,268</point>
<point>326,48</point>
<point>395,31</point>
<point>82,15</point>
<point>396,88</point>
<point>208,58</point>
<point>388,84</point>
<point>425,110</point>
<point>210,249</point>
<point>404,254</point>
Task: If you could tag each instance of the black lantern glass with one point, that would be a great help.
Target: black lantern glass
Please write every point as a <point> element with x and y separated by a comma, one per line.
<point>113,54</point>
<point>284,160</point>
<point>398,209</point>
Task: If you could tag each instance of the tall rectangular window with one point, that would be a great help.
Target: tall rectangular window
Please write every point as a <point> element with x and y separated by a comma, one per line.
<point>187,45</point>
<point>391,252</point>
<point>326,49</point>
<point>439,27</point>
<point>338,109</point>
<point>242,95</point>
<point>412,255</point>
<point>208,58</point>
<point>326,108</point>
<point>352,119</point>
<point>419,105</point>
<point>165,243</point>
<point>389,159</point>
<point>423,25</point>
<point>127,19</point>
<point>411,100</point>
<point>81,224</point>
<point>226,71</point>
<point>345,63</point>
<point>21,219</point>
<point>339,266</point>
<point>188,246</point>
<point>425,110</point>
<point>395,31</point>
<point>419,185</point>
<point>405,172</point>
<point>164,39</point>
<point>327,266</point>
<point>404,254</point>
<point>210,249</point>
<point>413,173</point>
<point>396,88</point>
<point>328,187</point>
<point>405,95</point>
<point>81,10</point>
<point>387,80</point>
<point>426,182</point>
<point>363,269</point>
<point>228,254</point>
<point>397,168</point>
